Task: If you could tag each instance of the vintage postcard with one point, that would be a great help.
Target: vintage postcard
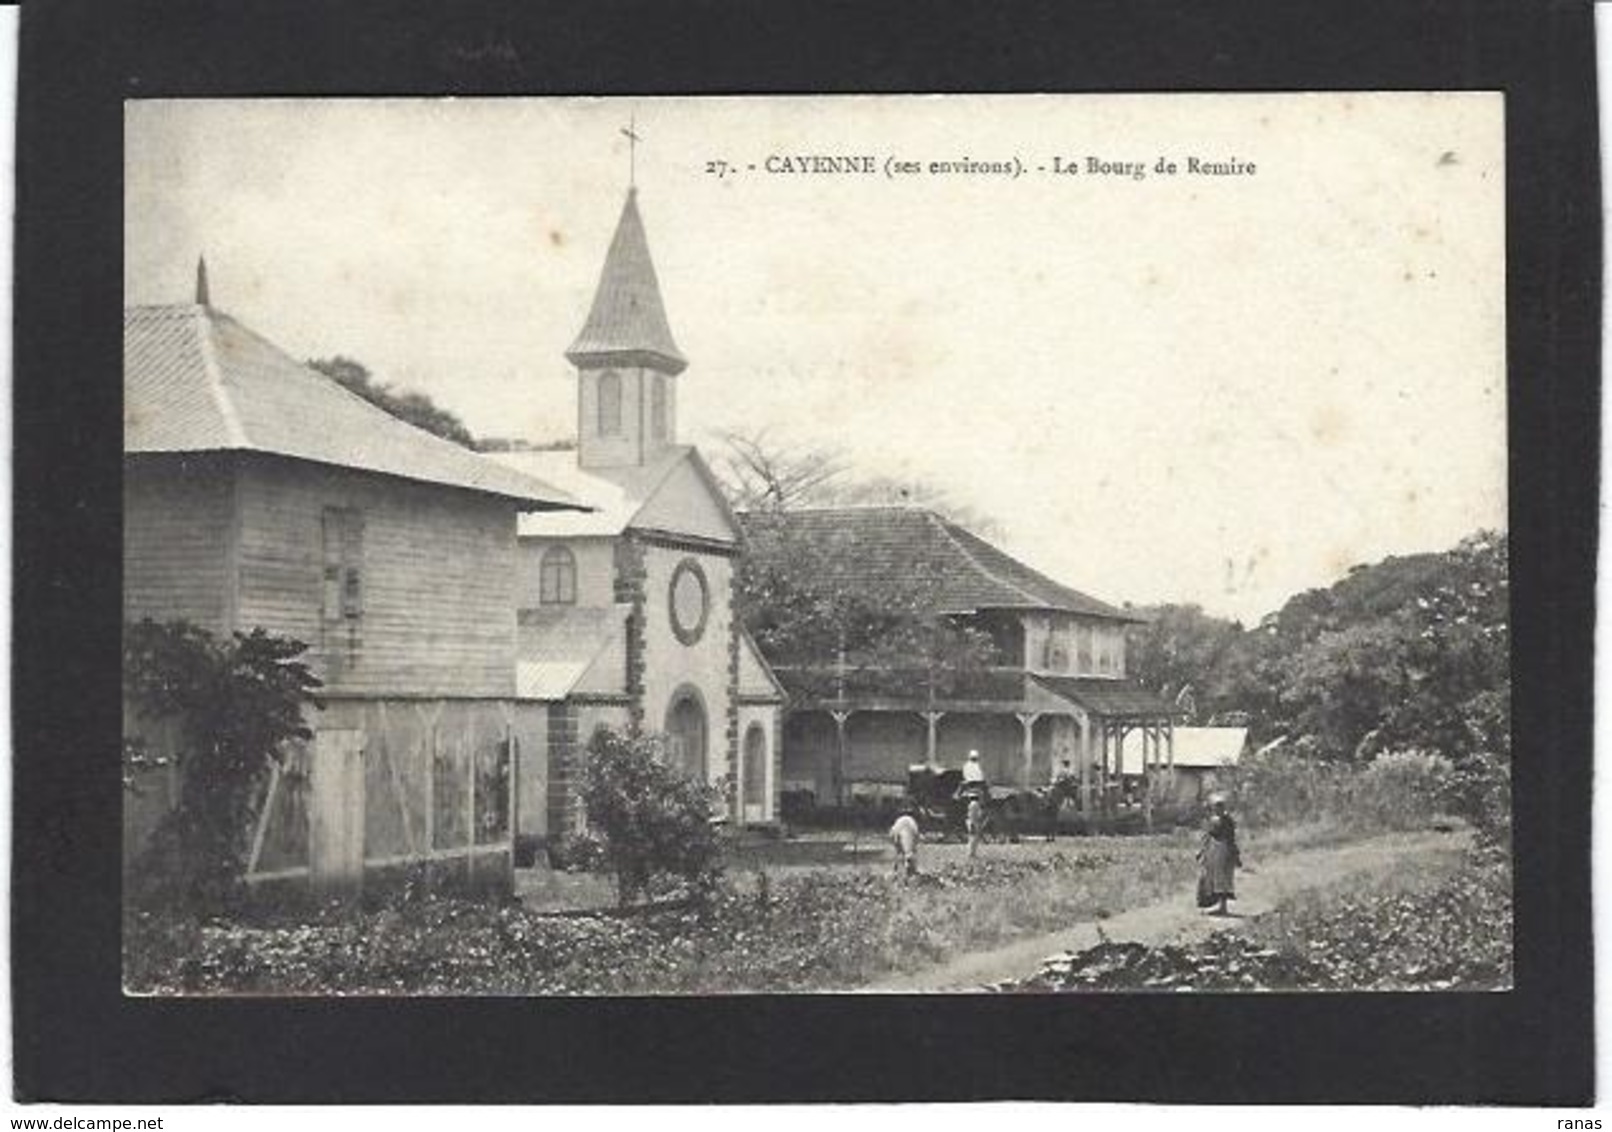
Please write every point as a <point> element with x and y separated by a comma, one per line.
<point>699,546</point>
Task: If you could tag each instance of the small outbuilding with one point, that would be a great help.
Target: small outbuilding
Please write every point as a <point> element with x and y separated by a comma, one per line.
<point>1201,757</point>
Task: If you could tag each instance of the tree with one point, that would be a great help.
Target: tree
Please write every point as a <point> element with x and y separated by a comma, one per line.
<point>654,820</point>
<point>239,703</point>
<point>794,596</point>
<point>1181,647</point>
<point>415,408</point>
<point>1408,653</point>
<point>762,473</point>
<point>890,632</point>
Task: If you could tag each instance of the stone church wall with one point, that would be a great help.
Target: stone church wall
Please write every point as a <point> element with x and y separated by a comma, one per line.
<point>671,666</point>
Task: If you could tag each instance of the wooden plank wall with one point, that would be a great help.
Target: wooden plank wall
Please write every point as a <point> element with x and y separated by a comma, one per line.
<point>176,531</point>
<point>439,574</point>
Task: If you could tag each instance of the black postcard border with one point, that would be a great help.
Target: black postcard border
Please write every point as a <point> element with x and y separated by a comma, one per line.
<point>77,1038</point>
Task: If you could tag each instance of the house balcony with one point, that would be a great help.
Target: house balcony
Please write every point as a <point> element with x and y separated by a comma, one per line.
<point>906,688</point>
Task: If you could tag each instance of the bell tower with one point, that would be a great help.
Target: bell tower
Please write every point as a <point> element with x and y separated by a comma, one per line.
<point>627,363</point>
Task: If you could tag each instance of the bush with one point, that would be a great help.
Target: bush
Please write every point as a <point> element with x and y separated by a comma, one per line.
<point>1395,791</point>
<point>239,703</point>
<point>1283,787</point>
<point>1479,790</point>
<point>582,852</point>
<point>816,929</point>
<point>653,820</point>
<point>1400,790</point>
<point>1439,926</point>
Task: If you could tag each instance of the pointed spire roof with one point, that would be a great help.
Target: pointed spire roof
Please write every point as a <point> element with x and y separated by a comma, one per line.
<point>202,299</point>
<point>627,324</point>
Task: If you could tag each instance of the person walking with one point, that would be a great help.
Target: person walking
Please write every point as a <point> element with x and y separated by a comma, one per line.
<point>904,836</point>
<point>1218,859</point>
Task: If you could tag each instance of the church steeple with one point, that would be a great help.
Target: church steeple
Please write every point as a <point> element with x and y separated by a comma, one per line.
<point>202,298</point>
<point>626,358</point>
<point>627,324</point>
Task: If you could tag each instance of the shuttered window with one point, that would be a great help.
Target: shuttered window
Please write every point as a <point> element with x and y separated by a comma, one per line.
<point>657,408</point>
<point>343,581</point>
<point>609,403</point>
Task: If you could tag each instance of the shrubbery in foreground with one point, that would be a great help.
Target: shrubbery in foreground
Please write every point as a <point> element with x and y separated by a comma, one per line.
<point>240,702</point>
<point>653,820</point>
<point>1451,932</point>
<point>819,930</point>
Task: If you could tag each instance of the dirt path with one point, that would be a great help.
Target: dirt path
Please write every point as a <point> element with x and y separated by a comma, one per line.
<point>1176,919</point>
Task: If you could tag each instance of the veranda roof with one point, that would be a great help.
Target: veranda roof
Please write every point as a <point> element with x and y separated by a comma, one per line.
<point>1110,699</point>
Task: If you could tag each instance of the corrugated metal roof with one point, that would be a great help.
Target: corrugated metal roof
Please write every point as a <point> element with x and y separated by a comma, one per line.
<point>612,506</point>
<point>756,677</point>
<point>627,323</point>
<point>866,546</point>
<point>616,495</point>
<point>1110,698</point>
<point>1195,748</point>
<point>556,645</point>
<point>196,380</point>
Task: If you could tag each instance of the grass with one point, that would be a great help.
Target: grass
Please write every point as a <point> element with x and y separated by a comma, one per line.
<point>1441,921</point>
<point>789,930</point>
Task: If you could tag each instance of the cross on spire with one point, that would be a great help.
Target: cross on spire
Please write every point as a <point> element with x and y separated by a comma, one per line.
<point>629,131</point>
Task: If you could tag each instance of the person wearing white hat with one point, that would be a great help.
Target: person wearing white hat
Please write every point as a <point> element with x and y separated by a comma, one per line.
<point>972,770</point>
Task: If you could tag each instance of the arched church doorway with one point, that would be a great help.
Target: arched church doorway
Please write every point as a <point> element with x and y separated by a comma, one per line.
<point>755,773</point>
<point>686,733</point>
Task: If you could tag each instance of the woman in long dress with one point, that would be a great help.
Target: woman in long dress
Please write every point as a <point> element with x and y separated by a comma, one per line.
<point>1219,859</point>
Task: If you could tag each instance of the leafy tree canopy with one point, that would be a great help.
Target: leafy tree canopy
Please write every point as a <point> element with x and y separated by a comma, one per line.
<point>801,608</point>
<point>415,408</point>
<point>1410,653</point>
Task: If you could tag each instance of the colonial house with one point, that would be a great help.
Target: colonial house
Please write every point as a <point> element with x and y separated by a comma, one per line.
<point>1054,690</point>
<point>259,493</point>
<point>626,610</point>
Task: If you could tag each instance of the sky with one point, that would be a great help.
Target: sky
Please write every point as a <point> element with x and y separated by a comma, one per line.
<point>1221,389</point>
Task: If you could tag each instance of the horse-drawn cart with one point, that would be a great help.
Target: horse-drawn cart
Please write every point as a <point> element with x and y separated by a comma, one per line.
<point>939,798</point>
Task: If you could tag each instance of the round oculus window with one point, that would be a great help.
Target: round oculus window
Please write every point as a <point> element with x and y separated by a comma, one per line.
<point>690,601</point>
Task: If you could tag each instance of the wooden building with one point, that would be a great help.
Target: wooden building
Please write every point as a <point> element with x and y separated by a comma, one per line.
<point>260,493</point>
<point>626,610</point>
<point>1055,691</point>
<point>1202,757</point>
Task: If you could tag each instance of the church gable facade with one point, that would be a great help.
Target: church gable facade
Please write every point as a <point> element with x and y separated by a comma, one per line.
<point>627,610</point>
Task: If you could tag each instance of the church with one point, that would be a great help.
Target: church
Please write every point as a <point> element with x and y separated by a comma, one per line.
<point>626,611</point>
